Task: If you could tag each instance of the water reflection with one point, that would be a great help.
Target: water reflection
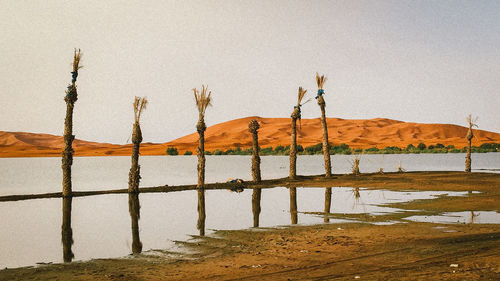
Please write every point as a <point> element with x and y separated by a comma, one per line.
<point>293,205</point>
<point>201,211</point>
<point>256,195</point>
<point>328,203</point>
<point>66,231</point>
<point>134,208</point>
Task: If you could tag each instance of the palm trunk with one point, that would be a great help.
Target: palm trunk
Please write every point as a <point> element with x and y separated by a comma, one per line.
<point>326,145</point>
<point>66,230</point>
<point>134,208</point>
<point>67,154</point>
<point>293,150</point>
<point>328,203</point>
<point>293,205</point>
<point>468,160</point>
<point>253,127</point>
<point>201,175</point>
<point>256,195</point>
<point>134,175</point>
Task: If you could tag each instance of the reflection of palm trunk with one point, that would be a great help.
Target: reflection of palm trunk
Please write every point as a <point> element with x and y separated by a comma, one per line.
<point>328,202</point>
<point>256,206</point>
<point>201,211</point>
<point>293,204</point>
<point>293,150</point>
<point>134,208</point>
<point>66,230</point>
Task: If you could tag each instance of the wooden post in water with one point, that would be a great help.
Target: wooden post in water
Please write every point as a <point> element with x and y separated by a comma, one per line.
<point>203,100</point>
<point>67,154</point>
<point>134,175</point>
<point>328,203</point>
<point>293,143</point>
<point>134,208</point>
<point>320,80</point>
<point>293,205</point>
<point>66,230</point>
<point>253,128</point>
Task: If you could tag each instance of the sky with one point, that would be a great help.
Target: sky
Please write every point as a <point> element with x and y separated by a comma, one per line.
<point>415,61</point>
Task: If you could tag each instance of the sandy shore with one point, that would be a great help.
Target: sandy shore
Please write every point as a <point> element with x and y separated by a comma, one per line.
<point>402,251</point>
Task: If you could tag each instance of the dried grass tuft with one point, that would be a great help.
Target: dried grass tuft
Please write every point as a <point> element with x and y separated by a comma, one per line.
<point>203,99</point>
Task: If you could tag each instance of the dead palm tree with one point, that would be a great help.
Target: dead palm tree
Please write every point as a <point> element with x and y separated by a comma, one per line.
<point>320,80</point>
<point>469,136</point>
<point>134,208</point>
<point>293,146</point>
<point>66,230</point>
<point>134,175</point>
<point>203,100</point>
<point>253,128</point>
<point>70,99</point>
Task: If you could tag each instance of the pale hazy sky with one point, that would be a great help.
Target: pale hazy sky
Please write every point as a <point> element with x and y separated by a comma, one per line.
<point>418,61</point>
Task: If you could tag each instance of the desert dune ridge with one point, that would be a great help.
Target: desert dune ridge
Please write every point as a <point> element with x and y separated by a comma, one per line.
<point>357,133</point>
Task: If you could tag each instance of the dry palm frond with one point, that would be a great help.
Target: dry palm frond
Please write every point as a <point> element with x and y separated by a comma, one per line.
<point>400,168</point>
<point>355,165</point>
<point>472,121</point>
<point>76,60</point>
<point>203,100</point>
<point>301,95</point>
<point>320,80</point>
<point>139,106</point>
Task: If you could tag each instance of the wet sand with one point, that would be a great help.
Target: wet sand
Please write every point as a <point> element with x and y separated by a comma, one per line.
<point>402,251</point>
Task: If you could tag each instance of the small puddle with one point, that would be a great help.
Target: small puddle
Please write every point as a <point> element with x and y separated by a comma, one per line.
<point>470,217</point>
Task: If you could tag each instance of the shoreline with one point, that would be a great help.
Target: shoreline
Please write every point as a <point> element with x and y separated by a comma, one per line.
<point>403,251</point>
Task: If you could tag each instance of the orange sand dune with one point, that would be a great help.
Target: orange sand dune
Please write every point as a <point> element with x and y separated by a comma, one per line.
<point>378,132</point>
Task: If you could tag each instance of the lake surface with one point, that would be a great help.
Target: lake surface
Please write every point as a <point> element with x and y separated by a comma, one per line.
<point>116,225</point>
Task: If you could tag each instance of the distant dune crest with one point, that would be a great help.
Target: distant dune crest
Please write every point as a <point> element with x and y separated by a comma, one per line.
<point>378,132</point>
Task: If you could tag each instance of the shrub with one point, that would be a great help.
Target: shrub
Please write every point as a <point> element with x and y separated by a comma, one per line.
<point>372,149</point>
<point>218,152</point>
<point>421,146</point>
<point>300,148</point>
<point>439,145</point>
<point>410,147</point>
<point>431,147</point>
<point>188,152</point>
<point>172,151</point>
<point>207,152</point>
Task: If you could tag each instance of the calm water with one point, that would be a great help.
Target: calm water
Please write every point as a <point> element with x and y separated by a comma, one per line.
<point>40,175</point>
<point>109,225</point>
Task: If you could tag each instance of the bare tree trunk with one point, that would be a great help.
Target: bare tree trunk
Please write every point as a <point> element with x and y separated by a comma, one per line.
<point>134,208</point>
<point>326,145</point>
<point>468,160</point>
<point>293,150</point>
<point>256,195</point>
<point>66,230</point>
<point>328,203</point>
<point>134,175</point>
<point>293,205</point>
<point>201,175</point>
